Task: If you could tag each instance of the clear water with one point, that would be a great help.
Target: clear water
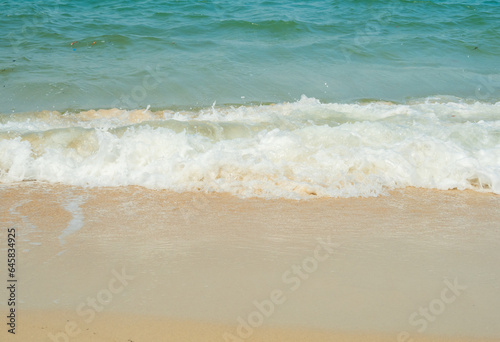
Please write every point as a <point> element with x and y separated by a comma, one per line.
<point>370,95</point>
<point>244,52</point>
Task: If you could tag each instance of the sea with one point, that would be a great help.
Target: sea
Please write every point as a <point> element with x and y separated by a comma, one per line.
<point>266,98</point>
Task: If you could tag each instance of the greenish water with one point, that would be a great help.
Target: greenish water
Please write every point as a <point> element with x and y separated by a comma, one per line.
<point>171,54</point>
<point>286,99</point>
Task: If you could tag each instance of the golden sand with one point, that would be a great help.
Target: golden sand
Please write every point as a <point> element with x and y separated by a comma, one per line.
<point>40,326</point>
<point>132,264</point>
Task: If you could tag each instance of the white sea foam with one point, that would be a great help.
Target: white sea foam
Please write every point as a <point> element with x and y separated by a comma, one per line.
<point>73,206</point>
<point>292,150</point>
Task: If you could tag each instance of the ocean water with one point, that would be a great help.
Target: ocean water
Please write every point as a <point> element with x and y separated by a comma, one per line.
<point>292,99</point>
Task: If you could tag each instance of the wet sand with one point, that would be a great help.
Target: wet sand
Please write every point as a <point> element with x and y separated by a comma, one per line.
<point>119,264</point>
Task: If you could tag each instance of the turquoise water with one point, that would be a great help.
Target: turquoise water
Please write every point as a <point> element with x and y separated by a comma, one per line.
<point>240,52</point>
<point>281,99</point>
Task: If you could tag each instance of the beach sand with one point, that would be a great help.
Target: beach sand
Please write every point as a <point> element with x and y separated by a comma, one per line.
<point>132,264</point>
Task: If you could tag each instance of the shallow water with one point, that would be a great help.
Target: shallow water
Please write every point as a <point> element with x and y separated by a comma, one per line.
<point>131,54</point>
<point>268,98</point>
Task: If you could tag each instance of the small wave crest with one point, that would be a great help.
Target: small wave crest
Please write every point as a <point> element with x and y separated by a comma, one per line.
<point>290,150</point>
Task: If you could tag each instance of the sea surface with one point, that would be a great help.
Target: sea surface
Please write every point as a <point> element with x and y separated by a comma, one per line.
<point>276,99</point>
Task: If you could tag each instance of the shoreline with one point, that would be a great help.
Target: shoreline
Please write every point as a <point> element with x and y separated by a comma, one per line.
<point>330,269</point>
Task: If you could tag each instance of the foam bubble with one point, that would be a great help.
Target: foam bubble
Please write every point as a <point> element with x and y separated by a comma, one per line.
<point>290,150</point>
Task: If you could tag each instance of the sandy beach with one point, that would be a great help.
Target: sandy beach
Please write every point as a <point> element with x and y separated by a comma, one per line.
<point>132,264</point>
<point>249,171</point>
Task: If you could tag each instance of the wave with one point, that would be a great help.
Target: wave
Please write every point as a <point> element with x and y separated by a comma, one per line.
<point>293,150</point>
